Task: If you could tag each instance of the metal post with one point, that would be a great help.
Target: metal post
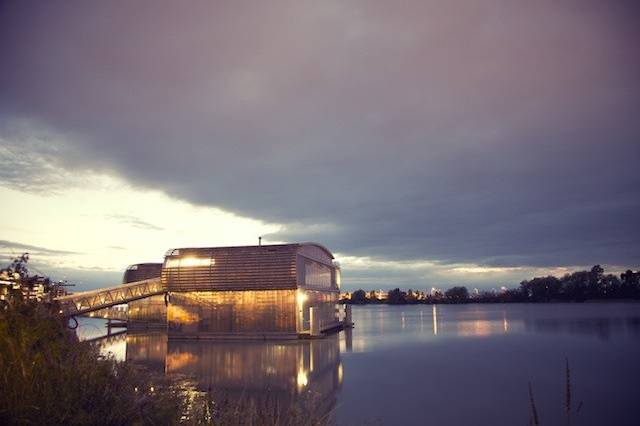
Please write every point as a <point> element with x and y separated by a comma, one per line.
<point>347,316</point>
<point>314,320</point>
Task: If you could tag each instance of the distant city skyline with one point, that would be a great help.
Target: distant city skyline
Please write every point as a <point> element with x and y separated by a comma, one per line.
<point>428,144</point>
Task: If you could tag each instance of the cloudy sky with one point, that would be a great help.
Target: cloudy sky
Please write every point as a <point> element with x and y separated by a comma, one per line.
<point>427,143</point>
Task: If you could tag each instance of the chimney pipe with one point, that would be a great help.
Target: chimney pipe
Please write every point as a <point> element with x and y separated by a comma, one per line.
<point>259,241</point>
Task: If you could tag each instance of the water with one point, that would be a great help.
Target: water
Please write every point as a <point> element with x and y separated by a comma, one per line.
<point>423,364</point>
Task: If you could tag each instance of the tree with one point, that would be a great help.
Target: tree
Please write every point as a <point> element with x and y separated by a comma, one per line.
<point>457,294</point>
<point>359,296</point>
<point>574,286</point>
<point>594,289</point>
<point>610,285</point>
<point>630,284</point>
<point>396,297</point>
<point>541,289</point>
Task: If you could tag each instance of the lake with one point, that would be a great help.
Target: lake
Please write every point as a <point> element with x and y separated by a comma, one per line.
<point>424,364</point>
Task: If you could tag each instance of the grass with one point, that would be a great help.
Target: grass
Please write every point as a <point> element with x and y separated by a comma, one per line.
<point>48,376</point>
<point>568,409</point>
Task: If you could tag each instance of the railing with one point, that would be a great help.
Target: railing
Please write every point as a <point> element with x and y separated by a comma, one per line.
<point>109,313</point>
<point>94,300</point>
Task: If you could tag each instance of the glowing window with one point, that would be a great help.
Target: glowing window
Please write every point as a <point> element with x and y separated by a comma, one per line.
<point>186,262</point>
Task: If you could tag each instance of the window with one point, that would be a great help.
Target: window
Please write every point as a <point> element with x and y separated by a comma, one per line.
<point>187,262</point>
<point>316,274</point>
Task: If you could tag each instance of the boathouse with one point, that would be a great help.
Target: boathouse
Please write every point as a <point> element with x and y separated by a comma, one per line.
<point>141,271</point>
<point>264,291</point>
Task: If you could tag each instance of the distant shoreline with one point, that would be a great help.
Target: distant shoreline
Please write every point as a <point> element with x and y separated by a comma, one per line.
<point>471,302</point>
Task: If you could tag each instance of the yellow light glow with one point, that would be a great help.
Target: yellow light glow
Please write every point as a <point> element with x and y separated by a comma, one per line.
<point>302,379</point>
<point>340,373</point>
<point>190,261</point>
<point>178,361</point>
<point>301,297</point>
<point>435,320</point>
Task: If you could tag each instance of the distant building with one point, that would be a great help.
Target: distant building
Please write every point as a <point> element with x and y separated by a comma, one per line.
<point>380,295</point>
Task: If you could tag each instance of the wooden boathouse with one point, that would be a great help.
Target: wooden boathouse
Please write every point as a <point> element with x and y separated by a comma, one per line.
<point>263,291</point>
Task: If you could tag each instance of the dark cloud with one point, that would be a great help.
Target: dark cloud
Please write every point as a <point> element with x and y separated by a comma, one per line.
<point>45,262</point>
<point>486,132</point>
<point>18,248</point>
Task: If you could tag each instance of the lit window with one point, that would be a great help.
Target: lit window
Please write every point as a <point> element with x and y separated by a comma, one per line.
<point>186,262</point>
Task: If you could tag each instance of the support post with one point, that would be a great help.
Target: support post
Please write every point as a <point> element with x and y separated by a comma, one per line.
<point>314,320</point>
<point>347,316</point>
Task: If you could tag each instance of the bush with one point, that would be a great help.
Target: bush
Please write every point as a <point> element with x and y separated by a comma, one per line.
<point>48,376</point>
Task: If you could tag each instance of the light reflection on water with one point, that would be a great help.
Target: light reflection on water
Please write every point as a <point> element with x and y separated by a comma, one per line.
<point>423,364</point>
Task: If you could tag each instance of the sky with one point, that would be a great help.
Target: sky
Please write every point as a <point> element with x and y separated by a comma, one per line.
<point>426,143</point>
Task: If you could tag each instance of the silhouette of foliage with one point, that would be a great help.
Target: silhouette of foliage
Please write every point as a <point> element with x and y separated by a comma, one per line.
<point>359,296</point>
<point>457,294</point>
<point>396,297</point>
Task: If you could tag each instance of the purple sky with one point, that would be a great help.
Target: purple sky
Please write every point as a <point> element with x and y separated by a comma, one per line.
<point>494,133</point>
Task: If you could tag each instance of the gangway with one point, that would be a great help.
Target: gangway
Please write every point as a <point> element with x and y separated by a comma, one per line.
<point>93,300</point>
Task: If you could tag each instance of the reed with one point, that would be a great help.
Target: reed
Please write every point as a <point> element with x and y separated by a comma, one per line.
<point>568,408</point>
<point>533,413</point>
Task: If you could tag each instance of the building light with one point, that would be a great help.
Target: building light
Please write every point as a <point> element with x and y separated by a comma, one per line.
<point>186,262</point>
<point>301,297</point>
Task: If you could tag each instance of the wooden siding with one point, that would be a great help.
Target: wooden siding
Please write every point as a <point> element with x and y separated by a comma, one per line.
<point>264,311</point>
<point>236,268</point>
<point>141,271</point>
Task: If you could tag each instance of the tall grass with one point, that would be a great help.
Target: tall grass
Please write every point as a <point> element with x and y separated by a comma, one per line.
<point>48,376</point>
<point>533,411</point>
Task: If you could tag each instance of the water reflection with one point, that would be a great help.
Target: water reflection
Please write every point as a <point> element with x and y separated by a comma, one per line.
<point>470,364</point>
<point>435,319</point>
<point>386,326</point>
<point>286,372</point>
<point>421,364</point>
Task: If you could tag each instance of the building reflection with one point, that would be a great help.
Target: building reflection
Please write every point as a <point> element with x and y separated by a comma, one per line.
<point>287,373</point>
<point>473,326</point>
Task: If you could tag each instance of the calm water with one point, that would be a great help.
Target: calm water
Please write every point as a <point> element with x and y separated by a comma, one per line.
<point>438,365</point>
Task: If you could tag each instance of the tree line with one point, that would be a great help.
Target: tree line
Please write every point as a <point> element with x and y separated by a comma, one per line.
<point>578,286</point>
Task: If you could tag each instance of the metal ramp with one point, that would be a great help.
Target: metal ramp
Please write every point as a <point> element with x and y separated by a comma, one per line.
<point>89,301</point>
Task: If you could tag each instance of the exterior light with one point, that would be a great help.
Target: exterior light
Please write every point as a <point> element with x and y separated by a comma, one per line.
<point>189,262</point>
<point>301,297</point>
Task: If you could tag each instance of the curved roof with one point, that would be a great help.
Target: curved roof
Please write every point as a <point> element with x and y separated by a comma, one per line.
<point>326,250</point>
<point>264,267</point>
<point>306,243</point>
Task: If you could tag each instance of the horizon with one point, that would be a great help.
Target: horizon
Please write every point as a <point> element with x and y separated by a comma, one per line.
<point>428,145</point>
